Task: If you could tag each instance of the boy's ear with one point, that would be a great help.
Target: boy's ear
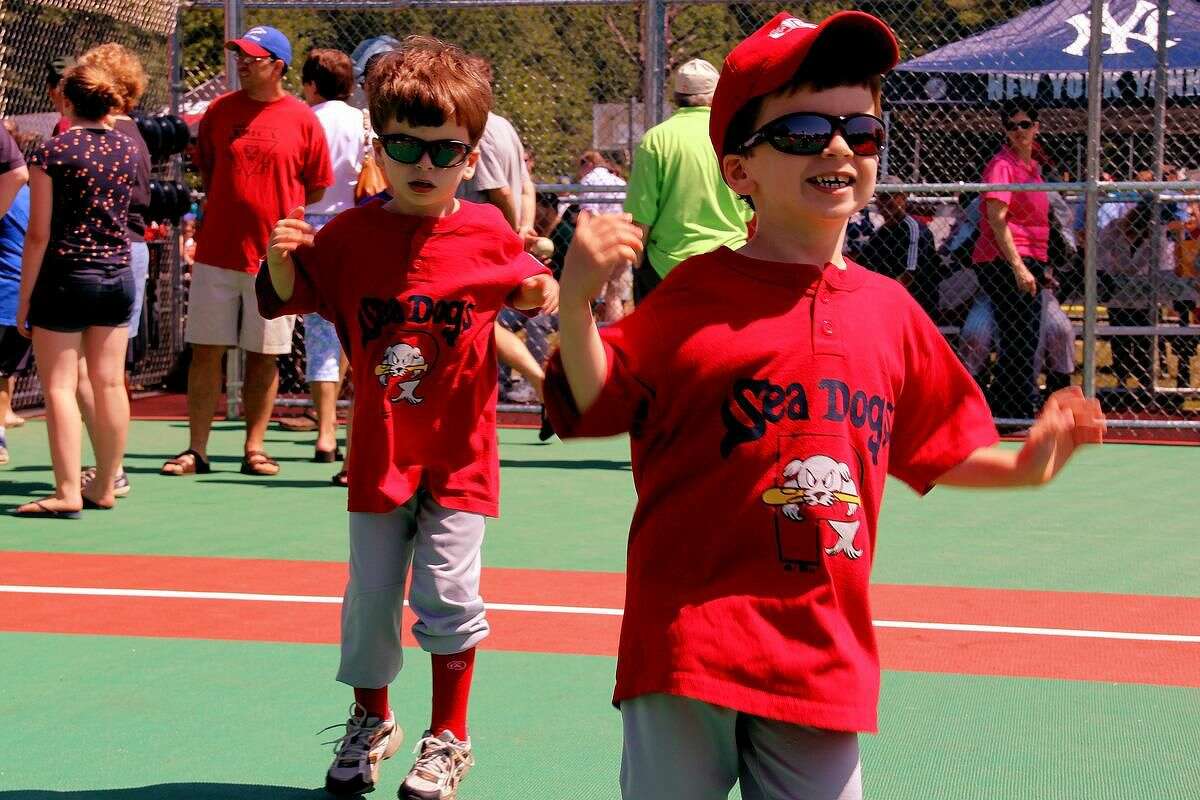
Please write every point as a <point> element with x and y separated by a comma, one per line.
<point>469,170</point>
<point>733,168</point>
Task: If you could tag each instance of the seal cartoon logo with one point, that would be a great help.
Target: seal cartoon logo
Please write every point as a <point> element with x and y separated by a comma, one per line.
<point>405,364</point>
<point>819,506</point>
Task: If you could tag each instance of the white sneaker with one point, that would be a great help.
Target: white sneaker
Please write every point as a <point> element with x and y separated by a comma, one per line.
<point>442,763</point>
<point>357,755</point>
<point>521,393</point>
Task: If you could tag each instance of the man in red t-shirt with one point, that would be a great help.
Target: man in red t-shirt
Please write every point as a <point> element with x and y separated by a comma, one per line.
<point>261,152</point>
<point>769,391</point>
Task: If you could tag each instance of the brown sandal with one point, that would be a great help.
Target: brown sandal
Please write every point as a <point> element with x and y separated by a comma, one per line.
<point>197,466</point>
<point>341,479</point>
<point>256,462</point>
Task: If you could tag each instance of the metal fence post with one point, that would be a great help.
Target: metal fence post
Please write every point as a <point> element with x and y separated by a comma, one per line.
<point>1160,142</point>
<point>654,37</point>
<point>1095,81</point>
<point>233,29</point>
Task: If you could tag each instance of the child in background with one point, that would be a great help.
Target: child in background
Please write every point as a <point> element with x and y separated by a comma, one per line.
<point>768,393</point>
<point>413,286</point>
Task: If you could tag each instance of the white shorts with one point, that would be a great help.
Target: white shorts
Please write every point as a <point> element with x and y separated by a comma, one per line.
<point>223,310</point>
<point>443,547</point>
<point>322,351</point>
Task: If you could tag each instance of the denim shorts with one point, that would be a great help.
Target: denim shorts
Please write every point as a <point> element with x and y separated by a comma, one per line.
<point>70,300</point>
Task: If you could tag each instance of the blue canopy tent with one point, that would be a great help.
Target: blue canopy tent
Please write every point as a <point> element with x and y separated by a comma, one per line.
<point>1042,54</point>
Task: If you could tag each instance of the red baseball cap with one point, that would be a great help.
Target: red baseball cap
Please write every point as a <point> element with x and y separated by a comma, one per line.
<point>769,58</point>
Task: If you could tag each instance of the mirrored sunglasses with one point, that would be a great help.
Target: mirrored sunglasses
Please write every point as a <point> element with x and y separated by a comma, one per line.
<point>807,133</point>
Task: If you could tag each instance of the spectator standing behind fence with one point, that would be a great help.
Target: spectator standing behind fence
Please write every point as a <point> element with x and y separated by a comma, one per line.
<point>130,79</point>
<point>14,219</point>
<point>55,69</point>
<point>327,79</point>
<point>77,288</point>
<point>1010,258</point>
<point>595,170</point>
<point>261,153</point>
<point>902,248</point>
<point>502,179</point>
<point>676,194</point>
<point>1126,252</point>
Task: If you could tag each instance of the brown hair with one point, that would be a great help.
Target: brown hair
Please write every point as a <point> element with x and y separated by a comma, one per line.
<point>817,78</point>
<point>92,91</point>
<point>331,71</point>
<point>125,69</point>
<point>427,83</point>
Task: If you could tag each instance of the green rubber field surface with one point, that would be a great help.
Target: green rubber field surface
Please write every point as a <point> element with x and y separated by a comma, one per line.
<point>1122,518</point>
<point>87,718</point>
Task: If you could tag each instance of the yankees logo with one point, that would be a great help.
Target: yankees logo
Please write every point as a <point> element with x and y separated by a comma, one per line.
<point>1119,34</point>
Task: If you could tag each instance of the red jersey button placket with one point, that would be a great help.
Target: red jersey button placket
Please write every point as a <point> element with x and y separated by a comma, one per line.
<point>825,328</point>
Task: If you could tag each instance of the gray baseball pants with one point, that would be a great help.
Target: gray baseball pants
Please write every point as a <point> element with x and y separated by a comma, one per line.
<point>676,747</point>
<point>442,545</point>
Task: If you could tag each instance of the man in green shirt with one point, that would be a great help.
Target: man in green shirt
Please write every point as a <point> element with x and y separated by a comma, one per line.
<point>676,192</point>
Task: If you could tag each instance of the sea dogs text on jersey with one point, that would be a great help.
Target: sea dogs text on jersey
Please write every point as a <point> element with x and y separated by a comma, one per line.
<point>454,316</point>
<point>755,403</point>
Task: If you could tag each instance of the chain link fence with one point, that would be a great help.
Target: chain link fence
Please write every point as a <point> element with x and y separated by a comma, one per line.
<point>32,32</point>
<point>1119,320</point>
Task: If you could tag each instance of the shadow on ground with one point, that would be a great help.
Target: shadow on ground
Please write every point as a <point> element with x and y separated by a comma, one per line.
<point>175,791</point>
<point>586,463</point>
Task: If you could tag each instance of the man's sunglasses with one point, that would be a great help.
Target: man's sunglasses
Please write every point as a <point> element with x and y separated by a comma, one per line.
<point>1024,125</point>
<point>407,149</point>
<point>807,133</point>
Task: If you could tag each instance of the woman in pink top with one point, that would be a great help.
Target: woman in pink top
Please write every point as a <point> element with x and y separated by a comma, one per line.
<point>1010,258</point>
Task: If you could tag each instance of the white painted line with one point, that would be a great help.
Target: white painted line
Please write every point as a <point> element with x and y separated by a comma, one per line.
<point>1079,634</point>
<point>276,598</point>
<point>590,611</point>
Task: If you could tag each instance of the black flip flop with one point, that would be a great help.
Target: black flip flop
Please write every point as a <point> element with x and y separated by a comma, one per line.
<point>327,456</point>
<point>46,513</point>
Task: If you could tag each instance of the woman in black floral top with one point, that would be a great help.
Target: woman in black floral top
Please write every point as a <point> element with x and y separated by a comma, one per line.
<point>77,288</point>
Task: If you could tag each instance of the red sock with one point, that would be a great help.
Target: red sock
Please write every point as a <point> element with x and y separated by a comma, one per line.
<point>451,690</point>
<point>375,701</point>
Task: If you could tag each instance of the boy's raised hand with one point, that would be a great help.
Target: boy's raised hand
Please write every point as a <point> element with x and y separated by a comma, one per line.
<point>601,244</point>
<point>1067,420</point>
<point>537,291</point>
<point>288,234</point>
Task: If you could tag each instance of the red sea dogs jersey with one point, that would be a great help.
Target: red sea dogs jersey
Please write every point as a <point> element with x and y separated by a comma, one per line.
<point>258,161</point>
<point>767,403</point>
<point>414,300</point>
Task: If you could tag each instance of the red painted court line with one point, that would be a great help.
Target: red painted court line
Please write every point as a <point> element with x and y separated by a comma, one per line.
<point>1083,610</point>
<point>1163,663</point>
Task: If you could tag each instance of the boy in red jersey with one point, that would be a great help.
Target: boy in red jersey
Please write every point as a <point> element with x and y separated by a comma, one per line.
<point>413,286</point>
<point>768,393</point>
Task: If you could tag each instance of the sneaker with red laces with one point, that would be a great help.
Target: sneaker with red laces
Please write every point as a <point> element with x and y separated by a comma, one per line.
<point>368,742</point>
<point>442,762</point>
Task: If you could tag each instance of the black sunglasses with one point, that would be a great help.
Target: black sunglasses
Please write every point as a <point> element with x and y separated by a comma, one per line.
<point>407,149</point>
<point>1024,125</point>
<point>807,133</point>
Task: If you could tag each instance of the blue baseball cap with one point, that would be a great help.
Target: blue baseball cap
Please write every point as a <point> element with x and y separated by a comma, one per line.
<point>370,48</point>
<point>261,41</point>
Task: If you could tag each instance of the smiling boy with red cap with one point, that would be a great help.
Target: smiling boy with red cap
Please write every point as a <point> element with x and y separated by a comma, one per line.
<point>768,393</point>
